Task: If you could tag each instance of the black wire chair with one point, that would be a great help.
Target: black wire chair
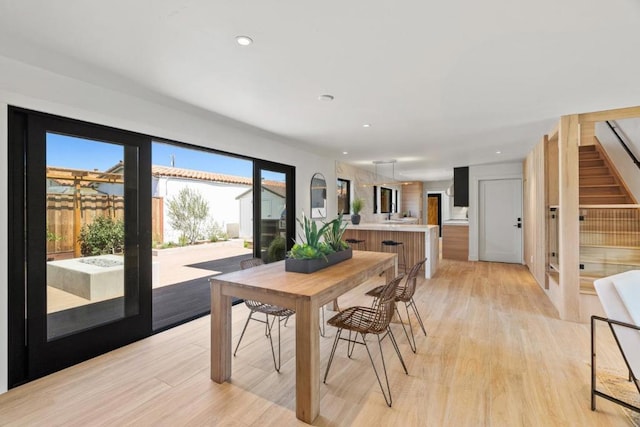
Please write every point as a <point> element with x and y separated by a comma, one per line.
<point>277,313</point>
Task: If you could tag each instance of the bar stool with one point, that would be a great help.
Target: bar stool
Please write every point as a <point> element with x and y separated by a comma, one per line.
<point>357,242</point>
<point>392,244</point>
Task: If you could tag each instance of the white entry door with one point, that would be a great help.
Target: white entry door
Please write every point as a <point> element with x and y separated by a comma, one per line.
<point>500,220</point>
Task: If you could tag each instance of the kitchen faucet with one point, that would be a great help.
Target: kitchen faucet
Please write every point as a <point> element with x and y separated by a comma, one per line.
<point>393,207</point>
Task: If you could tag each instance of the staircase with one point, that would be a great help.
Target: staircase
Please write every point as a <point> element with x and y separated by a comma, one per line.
<point>599,183</point>
<point>609,236</point>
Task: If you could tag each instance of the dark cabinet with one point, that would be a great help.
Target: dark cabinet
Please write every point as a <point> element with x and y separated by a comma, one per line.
<point>461,186</point>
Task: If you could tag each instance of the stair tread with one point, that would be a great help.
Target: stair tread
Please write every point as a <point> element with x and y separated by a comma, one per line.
<point>608,246</point>
<point>600,262</point>
<point>599,185</point>
<point>608,218</point>
<point>603,195</point>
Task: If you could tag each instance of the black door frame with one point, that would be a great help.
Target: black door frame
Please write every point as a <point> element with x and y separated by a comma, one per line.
<point>439,197</point>
<point>290,176</point>
<point>31,353</point>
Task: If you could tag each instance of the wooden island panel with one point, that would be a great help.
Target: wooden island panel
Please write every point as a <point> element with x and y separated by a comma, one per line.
<point>455,242</point>
<point>413,243</point>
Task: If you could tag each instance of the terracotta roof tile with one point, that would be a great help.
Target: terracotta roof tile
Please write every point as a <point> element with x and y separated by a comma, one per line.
<point>275,186</point>
<point>199,175</point>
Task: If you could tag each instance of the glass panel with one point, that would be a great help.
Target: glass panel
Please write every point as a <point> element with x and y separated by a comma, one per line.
<point>85,232</point>
<point>385,200</point>
<point>343,191</point>
<point>318,196</point>
<point>609,240</point>
<point>202,226</point>
<point>273,215</point>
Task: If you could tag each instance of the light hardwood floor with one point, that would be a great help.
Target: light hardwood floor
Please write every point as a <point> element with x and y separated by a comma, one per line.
<point>496,355</point>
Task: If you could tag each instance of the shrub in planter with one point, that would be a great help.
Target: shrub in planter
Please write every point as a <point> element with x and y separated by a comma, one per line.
<point>356,207</point>
<point>277,249</point>
<point>105,235</point>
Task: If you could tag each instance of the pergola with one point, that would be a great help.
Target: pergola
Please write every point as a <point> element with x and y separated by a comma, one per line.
<point>78,177</point>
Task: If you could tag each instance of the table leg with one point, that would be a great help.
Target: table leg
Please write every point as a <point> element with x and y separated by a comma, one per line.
<point>220,334</point>
<point>307,361</point>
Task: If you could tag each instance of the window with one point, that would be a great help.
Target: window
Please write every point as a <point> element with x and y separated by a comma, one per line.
<point>344,196</point>
<point>386,205</point>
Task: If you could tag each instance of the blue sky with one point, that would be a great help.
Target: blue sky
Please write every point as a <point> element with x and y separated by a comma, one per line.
<point>77,153</point>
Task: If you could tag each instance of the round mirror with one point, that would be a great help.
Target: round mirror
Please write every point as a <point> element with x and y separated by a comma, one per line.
<point>318,196</point>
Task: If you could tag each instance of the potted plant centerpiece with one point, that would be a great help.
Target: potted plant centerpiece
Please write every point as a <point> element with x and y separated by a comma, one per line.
<point>320,247</point>
<point>356,206</point>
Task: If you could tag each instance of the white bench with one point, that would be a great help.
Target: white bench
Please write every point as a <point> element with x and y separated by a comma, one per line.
<point>620,298</point>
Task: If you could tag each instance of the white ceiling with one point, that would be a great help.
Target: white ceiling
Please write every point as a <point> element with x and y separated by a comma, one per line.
<point>442,84</point>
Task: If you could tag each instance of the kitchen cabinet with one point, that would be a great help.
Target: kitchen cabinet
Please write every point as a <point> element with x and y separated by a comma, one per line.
<point>455,240</point>
<point>461,186</point>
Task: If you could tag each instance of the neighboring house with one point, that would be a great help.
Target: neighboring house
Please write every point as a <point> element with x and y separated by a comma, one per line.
<point>273,205</point>
<point>219,190</point>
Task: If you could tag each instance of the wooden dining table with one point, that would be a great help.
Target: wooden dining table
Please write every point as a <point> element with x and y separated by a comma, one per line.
<point>304,293</point>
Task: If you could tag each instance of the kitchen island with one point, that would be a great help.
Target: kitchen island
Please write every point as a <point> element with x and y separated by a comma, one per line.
<point>419,241</point>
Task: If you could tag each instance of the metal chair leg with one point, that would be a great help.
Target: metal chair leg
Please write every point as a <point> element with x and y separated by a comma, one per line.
<point>273,354</point>
<point>411,338</point>
<point>397,349</point>
<point>351,345</point>
<point>333,351</point>
<point>415,310</point>
<point>386,393</point>
<point>322,325</point>
<point>243,330</point>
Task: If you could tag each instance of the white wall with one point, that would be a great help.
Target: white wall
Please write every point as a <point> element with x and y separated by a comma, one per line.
<point>34,88</point>
<point>628,171</point>
<point>223,206</point>
<point>476,174</point>
<point>361,186</point>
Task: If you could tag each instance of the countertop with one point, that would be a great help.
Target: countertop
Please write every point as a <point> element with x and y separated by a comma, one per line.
<point>456,222</point>
<point>392,227</point>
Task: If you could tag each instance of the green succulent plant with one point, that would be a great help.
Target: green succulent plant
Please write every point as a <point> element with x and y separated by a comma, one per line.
<point>333,234</point>
<point>318,242</point>
<point>357,205</point>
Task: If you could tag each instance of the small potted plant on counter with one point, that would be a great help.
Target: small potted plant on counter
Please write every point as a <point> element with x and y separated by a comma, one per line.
<point>320,247</point>
<point>356,206</point>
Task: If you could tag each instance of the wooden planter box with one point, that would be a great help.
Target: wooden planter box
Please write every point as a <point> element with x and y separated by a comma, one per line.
<point>311,265</point>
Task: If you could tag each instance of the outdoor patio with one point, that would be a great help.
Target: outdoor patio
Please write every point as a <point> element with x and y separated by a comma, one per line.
<point>176,265</point>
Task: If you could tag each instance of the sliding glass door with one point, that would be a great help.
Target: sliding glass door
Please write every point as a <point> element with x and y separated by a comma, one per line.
<point>274,209</point>
<point>86,244</point>
<point>85,207</point>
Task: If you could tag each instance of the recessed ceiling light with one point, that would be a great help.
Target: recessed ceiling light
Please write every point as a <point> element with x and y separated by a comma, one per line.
<point>345,152</point>
<point>325,97</point>
<point>244,40</point>
<point>366,125</point>
<point>498,152</point>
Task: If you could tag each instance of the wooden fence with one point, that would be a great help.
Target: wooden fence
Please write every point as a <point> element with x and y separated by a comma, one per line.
<point>61,213</point>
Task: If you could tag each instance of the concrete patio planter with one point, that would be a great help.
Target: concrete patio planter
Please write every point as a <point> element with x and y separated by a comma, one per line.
<point>94,278</point>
